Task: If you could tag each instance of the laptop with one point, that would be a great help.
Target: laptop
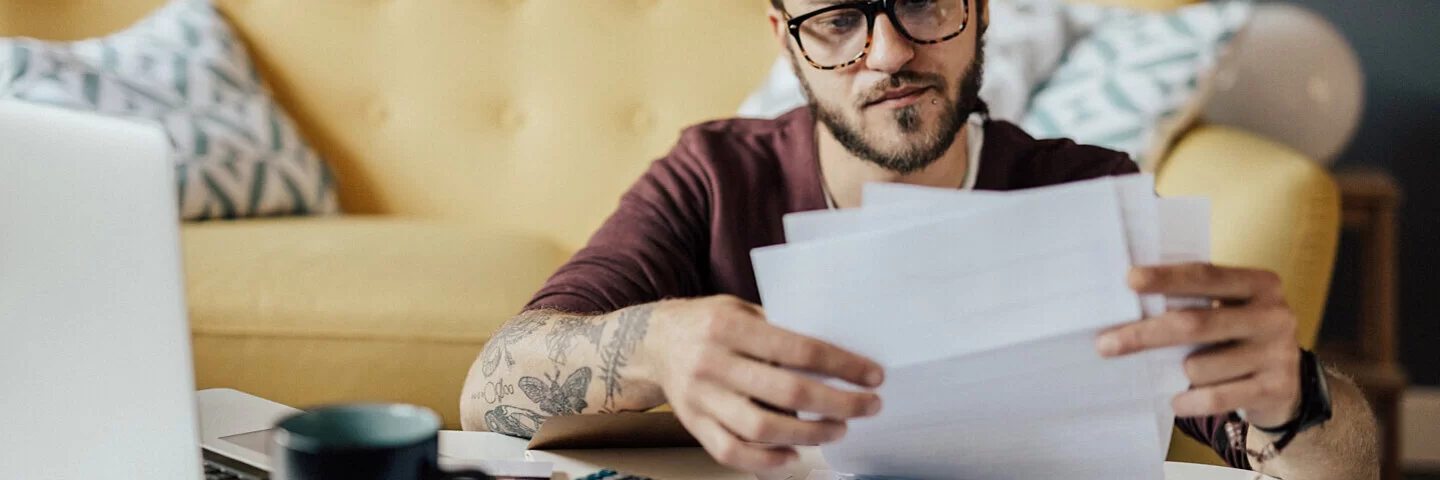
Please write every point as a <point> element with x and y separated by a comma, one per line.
<point>95,351</point>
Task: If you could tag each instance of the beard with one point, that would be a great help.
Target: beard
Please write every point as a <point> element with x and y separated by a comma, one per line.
<point>925,146</point>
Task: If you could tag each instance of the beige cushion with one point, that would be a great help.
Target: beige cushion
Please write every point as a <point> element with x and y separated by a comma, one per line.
<point>310,311</point>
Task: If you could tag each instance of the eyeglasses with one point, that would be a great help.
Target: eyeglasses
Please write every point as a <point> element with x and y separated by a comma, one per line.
<point>840,35</point>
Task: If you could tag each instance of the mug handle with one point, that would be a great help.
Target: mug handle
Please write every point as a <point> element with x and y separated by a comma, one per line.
<point>466,474</point>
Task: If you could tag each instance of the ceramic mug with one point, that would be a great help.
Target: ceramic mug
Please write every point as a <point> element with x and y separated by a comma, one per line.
<point>361,442</point>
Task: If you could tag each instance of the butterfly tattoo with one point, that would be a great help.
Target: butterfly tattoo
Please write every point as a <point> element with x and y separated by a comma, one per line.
<point>557,398</point>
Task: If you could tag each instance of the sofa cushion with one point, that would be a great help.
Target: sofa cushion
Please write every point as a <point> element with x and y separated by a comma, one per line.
<point>325,310</point>
<point>237,153</point>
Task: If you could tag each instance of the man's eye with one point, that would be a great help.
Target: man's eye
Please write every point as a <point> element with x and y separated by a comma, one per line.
<point>914,5</point>
<point>841,22</point>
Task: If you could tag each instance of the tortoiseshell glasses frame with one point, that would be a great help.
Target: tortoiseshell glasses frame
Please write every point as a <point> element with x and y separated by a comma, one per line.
<point>870,9</point>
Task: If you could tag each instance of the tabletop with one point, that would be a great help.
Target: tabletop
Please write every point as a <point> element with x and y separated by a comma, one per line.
<point>462,448</point>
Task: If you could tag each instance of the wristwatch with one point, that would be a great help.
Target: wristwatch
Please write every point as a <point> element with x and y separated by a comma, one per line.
<point>1314,410</point>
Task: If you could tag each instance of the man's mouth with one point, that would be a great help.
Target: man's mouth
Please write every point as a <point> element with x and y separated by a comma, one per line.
<point>897,98</point>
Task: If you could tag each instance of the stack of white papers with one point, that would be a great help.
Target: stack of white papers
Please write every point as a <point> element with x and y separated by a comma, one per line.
<point>983,307</point>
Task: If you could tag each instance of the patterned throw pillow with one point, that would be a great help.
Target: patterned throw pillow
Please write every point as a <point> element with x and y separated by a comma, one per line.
<point>1135,78</point>
<point>236,153</point>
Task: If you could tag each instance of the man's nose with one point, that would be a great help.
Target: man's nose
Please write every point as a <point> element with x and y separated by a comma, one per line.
<point>889,50</point>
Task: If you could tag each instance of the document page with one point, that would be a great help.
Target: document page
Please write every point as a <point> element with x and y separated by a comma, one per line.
<point>983,307</point>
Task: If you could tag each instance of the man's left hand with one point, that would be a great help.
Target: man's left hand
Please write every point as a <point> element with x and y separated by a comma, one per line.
<point>1251,361</point>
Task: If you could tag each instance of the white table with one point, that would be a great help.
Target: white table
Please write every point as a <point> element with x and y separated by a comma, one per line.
<point>694,463</point>
<point>224,412</point>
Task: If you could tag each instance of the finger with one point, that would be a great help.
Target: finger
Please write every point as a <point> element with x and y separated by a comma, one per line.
<point>1224,363</point>
<point>1217,399</point>
<point>1183,327</point>
<point>789,390</point>
<point>1203,279</point>
<point>751,423</point>
<point>767,342</point>
<point>1262,392</point>
<point>730,451</point>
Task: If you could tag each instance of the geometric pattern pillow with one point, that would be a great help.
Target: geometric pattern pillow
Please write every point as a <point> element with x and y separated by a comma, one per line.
<point>1128,81</point>
<point>236,153</point>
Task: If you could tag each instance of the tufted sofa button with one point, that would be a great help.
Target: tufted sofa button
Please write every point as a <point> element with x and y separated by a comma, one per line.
<point>511,119</point>
<point>641,120</point>
<point>377,112</point>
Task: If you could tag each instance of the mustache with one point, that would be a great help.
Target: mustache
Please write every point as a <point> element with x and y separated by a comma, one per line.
<point>901,79</point>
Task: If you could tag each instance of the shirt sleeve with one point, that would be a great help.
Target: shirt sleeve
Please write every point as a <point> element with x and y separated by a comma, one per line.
<point>1096,162</point>
<point>1211,431</point>
<point>649,249</point>
<point>1063,161</point>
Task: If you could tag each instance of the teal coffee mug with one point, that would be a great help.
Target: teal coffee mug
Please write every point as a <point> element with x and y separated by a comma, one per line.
<point>361,442</point>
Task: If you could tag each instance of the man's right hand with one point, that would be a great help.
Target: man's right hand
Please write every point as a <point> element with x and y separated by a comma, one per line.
<point>717,357</point>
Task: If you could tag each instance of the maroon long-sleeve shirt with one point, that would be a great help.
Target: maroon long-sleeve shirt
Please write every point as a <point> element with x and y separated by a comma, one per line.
<point>687,227</point>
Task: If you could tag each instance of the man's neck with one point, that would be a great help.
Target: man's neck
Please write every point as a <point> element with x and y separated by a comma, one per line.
<point>844,174</point>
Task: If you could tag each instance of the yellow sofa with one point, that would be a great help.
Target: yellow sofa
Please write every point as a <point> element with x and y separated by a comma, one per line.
<point>478,143</point>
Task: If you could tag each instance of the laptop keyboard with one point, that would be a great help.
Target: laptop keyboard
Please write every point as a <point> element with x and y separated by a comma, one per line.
<point>219,467</point>
<point>216,471</point>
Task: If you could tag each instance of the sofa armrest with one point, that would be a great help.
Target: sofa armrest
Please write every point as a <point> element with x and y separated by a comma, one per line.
<point>311,311</point>
<point>1273,209</point>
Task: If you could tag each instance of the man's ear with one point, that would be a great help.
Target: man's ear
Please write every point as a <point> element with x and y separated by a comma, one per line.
<point>985,13</point>
<point>779,28</point>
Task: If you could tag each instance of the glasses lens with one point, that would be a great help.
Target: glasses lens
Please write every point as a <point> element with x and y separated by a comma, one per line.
<point>834,37</point>
<point>932,20</point>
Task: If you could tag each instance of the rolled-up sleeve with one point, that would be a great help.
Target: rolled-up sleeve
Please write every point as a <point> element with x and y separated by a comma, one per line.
<point>649,249</point>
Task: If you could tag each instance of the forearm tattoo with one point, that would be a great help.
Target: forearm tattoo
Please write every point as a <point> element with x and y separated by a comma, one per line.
<point>551,395</point>
<point>511,332</point>
<point>555,398</point>
<point>494,392</point>
<point>513,421</point>
<point>562,336</point>
<point>630,330</point>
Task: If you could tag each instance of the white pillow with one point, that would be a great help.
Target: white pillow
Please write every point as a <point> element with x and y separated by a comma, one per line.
<point>1023,46</point>
<point>237,154</point>
<point>1136,78</point>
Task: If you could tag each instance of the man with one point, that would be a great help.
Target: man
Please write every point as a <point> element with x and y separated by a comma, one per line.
<point>661,305</point>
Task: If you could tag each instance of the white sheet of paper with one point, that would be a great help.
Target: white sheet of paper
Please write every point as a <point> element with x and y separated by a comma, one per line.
<point>1173,471</point>
<point>979,331</point>
<point>1141,209</point>
<point>890,204</point>
<point>1185,238</point>
<point>935,284</point>
<point>1051,408</point>
<point>1158,231</point>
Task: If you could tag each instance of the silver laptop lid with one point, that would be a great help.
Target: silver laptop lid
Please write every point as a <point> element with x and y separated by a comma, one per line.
<point>94,345</point>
